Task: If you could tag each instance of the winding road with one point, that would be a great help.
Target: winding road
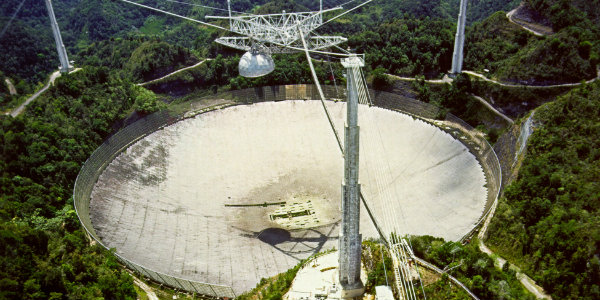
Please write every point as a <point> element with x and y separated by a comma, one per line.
<point>446,79</point>
<point>481,76</point>
<point>510,16</point>
<point>17,111</point>
<point>499,262</point>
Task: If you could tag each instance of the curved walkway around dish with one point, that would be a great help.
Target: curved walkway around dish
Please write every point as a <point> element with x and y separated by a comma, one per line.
<point>446,79</point>
<point>173,73</point>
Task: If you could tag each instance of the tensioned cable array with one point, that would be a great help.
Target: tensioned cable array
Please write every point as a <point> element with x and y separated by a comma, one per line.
<point>226,29</point>
<point>390,216</point>
<point>239,12</point>
<point>316,80</point>
<point>174,14</point>
<point>205,6</point>
<point>11,19</point>
<point>399,249</point>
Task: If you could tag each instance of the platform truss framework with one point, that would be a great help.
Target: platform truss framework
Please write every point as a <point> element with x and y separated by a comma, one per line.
<point>315,43</point>
<point>279,33</point>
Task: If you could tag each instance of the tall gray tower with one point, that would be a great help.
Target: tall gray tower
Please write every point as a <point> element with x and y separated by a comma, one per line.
<point>350,238</point>
<point>65,67</point>
<point>459,40</point>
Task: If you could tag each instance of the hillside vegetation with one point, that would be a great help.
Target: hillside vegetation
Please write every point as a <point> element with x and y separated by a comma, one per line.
<point>44,253</point>
<point>548,220</point>
<point>514,55</point>
<point>470,266</point>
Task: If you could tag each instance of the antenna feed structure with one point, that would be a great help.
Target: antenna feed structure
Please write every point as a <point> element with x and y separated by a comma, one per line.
<point>257,62</point>
<point>262,35</point>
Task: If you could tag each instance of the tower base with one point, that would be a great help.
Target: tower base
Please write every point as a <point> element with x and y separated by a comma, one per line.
<point>352,293</point>
<point>318,279</point>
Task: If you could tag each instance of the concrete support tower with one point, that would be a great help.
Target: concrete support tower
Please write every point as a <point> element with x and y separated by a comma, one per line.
<point>350,238</point>
<point>459,40</point>
<point>65,67</point>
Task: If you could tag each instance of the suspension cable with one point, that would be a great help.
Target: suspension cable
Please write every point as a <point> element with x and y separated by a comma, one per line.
<point>204,6</point>
<point>316,79</point>
<point>11,19</point>
<point>333,76</point>
<point>173,14</point>
<point>354,8</point>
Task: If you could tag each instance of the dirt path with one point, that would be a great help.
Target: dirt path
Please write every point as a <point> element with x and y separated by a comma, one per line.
<point>531,86</point>
<point>11,87</point>
<point>149,291</point>
<point>493,109</point>
<point>536,29</point>
<point>173,73</point>
<point>499,262</point>
<point>17,111</point>
<point>446,79</point>
<point>525,280</point>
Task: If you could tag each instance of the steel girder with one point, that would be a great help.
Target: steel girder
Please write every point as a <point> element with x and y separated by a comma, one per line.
<point>314,43</point>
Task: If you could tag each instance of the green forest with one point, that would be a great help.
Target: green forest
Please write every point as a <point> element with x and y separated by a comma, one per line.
<point>548,219</point>
<point>547,222</point>
<point>44,251</point>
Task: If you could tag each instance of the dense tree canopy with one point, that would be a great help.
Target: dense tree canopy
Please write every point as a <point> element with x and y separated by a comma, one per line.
<point>472,267</point>
<point>548,219</point>
<point>44,254</point>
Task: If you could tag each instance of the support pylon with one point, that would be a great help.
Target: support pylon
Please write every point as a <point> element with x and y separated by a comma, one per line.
<point>350,238</point>
<point>65,66</point>
<point>459,40</point>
